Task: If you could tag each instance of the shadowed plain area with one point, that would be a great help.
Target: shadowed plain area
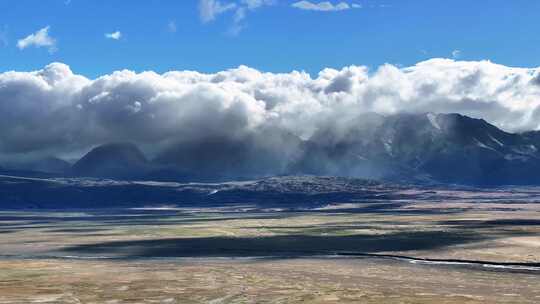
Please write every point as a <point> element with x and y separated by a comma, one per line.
<point>492,223</point>
<point>289,245</point>
<point>455,229</point>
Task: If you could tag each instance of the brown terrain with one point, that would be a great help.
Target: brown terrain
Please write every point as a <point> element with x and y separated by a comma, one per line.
<point>365,252</point>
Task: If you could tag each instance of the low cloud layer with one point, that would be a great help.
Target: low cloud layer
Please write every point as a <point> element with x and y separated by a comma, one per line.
<point>55,111</point>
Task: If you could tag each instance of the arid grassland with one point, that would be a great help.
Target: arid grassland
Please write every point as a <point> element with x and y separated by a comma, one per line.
<point>338,253</point>
<point>307,280</point>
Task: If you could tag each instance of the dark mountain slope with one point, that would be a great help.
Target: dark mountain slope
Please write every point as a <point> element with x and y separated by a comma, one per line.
<point>114,160</point>
<point>249,155</point>
<point>448,148</point>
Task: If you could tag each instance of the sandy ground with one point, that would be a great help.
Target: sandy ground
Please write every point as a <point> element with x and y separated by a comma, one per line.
<point>266,281</point>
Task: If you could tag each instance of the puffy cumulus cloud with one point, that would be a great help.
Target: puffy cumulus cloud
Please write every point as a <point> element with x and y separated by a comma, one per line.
<point>324,6</point>
<point>38,39</point>
<point>536,79</point>
<point>54,110</point>
<point>36,108</point>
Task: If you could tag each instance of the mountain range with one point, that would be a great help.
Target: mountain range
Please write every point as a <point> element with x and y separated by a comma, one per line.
<point>448,148</point>
<point>412,148</point>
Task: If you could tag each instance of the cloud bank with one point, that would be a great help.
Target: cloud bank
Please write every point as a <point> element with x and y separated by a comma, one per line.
<point>55,111</point>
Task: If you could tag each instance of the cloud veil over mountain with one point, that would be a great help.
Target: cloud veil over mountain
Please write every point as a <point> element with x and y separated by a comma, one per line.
<point>55,111</point>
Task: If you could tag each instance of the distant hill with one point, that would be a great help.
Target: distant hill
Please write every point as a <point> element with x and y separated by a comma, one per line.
<point>50,164</point>
<point>287,191</point>
<point>113,160</point>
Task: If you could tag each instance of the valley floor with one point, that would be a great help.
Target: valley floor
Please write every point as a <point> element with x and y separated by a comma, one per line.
<point>306,280</point>
<point>245,254</point>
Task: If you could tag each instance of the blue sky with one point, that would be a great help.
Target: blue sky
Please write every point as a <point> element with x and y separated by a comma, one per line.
<point>275,36</point>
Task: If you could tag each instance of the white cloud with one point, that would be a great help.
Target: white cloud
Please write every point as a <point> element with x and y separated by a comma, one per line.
<point>210,9</point>
<point>254,4</point>
<point>324,6</point>
<point>53,109</point>
<point>242,11</point>
<point>114,35</point>
<point>456,54</point>
<point>38,39</point>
